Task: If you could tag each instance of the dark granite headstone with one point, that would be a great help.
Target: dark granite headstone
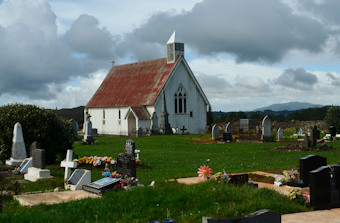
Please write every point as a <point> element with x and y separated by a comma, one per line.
<point>78,173</point>
<point>265,216</point>
<point>332,130</point>
<point>75,128</point>
<point>309,163</point>
<point>34,145</point>
<point>227,136</point>
<point>239,179</point>
<point>130,147</point>
<point>38,158</point>
<point>335,184</point>
<point>320,188</point>
<point>314,136</point>
<point>126,165</point>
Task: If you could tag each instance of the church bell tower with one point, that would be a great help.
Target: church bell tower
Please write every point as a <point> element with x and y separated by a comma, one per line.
<point>174,49</point>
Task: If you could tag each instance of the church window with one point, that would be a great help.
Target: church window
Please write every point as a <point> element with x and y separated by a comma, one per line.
<point>103,114</point>
<point>180,101</point>
<point>119,114</point>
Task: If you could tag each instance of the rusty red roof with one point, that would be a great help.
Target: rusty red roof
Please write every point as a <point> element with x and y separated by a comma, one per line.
<point>141,112</point>
<point>134,84</point>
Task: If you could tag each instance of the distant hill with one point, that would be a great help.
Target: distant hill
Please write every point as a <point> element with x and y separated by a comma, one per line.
<point>72,113</point>
<point>290,106</point>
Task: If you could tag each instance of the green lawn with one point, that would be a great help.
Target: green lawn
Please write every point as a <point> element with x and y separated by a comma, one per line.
<point>167,157</point>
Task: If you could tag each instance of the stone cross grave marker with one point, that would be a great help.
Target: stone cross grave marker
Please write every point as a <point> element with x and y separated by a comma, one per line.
<point>68,163</point>
<point>183,130</point>
<point>18,153</point>
<point>266,128</point>
<point>215,132</point>
<point>126,165</point>
<point>130,147</point>
<point>279,134</point>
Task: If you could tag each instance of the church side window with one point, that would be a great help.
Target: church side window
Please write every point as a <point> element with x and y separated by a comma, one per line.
<point>103,114</point>
<point>181,101</point>
<point>119,114</point>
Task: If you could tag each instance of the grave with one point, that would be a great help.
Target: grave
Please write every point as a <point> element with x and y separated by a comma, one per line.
<point>126,165</point>
<point>227,135</point>
<point>183,130</point>
<point>215,132</point>
<point>68,163</point>
<point>27,163</point>
<point>18,152</point>
<point>37,171</point>
<point>34,145</point>
<point>154,127</point>
<point>102,185</point>
<point>78,178</point>
<point>266,129</point>
<point>75,128</point>
<point>314,136</point>
<point>306,144</point>
<point>320,188</point>
<point>332,130</point>
<point>258,216</point>
<point>88,138</point>
<point>239,179</point>
<point>140,132</point>
<point>279,134</point>
<point>130,147</point>
<point>307,164</point>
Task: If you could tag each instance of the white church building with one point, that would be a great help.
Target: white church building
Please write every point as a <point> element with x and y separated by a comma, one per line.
<point>147,95</point>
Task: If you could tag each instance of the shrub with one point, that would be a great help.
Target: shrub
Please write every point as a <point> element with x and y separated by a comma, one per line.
<point>333,117</point>
<point>42,125</point>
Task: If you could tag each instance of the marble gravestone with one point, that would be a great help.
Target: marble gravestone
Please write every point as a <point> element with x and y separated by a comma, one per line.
<point>18,153</point>
<point>78,178</point>
<point>215,132</point>
<point>130,147</point>
<point>228,135</point>
<point>279,134</point>
<point>88,138</point>
<point>266,129</point>
<point>37,171</point>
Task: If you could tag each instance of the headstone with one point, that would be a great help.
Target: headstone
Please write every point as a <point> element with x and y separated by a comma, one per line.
<point>266,129</point>
<point>279,134</point>
<point>37,171</point>
<point>140,132</point>
<point>332,130</point>
<point>215,132</point>
<point>239,179</point>
<point>183,130</point>
<point>34,145</point>
<point>18,153</point>
<point>263,215</point>
<point>314,136</point>
<point>301,131</point>
<point>102,185</point>
<point>126,165</point>
<point>306,142</point>
<point>88,138</point>
<point>320,188</point>
<point>154,127</point>
<point>78,178</point>
<point>68,163</point>
<point>335,184</point>
<point>38,158</point>
<point>75,128</point>
<point>130,147</point>
<point>27,163</point>
<point>309,163</point>
<point>227,135</point>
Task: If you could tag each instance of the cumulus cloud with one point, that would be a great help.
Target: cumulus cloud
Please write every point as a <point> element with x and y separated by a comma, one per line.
<point>298,79</point>
<point>249,84</point>
<point>334,79</point>
<point>260,31</point>
<point>34,57</point>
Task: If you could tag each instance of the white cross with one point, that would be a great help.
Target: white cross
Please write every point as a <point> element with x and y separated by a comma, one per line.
<point>68,163</point>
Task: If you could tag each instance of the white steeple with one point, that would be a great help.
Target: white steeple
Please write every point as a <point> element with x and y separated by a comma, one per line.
<point>174,49</point>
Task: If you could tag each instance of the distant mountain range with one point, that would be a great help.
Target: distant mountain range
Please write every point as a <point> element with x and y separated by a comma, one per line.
<point>290,106</point>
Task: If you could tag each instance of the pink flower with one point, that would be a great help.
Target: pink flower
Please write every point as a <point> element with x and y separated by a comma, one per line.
<point>204,172</point>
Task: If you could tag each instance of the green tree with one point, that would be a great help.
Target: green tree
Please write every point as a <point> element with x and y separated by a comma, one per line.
<point>210,116</point>
<point>333,116</point>
<point>42,125</point>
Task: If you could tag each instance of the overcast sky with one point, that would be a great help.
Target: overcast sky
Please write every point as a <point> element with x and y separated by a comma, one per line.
<point>245,54</point>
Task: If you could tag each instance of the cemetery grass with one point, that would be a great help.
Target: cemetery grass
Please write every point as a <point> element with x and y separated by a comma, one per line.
<point>171,157</point>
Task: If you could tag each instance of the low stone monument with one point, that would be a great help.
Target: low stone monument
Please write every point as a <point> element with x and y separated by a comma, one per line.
<point>68,163</point>
<point>78,178</point>
<point>38,171</point>
<point>18,153</point>
<point>215,133</point>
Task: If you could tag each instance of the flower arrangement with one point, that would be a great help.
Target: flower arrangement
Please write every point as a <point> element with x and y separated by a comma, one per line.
<point>221,177</point>
<point>95,160</point>
<point>292,175</point>
<point>204,172</point>
<point>296,194</point>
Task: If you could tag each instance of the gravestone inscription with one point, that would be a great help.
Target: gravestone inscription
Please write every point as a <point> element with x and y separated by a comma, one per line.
<point>38,158</point>
<point>126,165</point>
<point>130,147</point>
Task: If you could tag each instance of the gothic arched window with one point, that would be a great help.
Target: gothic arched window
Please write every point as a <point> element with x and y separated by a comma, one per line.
<point>180,101</point>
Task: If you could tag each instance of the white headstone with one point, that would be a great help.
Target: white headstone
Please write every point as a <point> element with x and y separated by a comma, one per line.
<point>18,153</point>
<point>88,130</point>
<point>68,163</point>
<point>27,163</point>
<point>279,134</point>
<point>78,178</point>
<point>266,127</point>
<point>215,132</point>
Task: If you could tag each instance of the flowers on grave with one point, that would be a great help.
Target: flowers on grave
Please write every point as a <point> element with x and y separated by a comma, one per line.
<point>124,183</point>
<point>204,172</point>
<point>115,175</point>
<point>95,160</point>
<point>221,177</point>
<point>296,195</point>
<point>292,175</point>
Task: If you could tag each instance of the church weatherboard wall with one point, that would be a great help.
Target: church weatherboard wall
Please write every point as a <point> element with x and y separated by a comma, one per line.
<point>130,97</point>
